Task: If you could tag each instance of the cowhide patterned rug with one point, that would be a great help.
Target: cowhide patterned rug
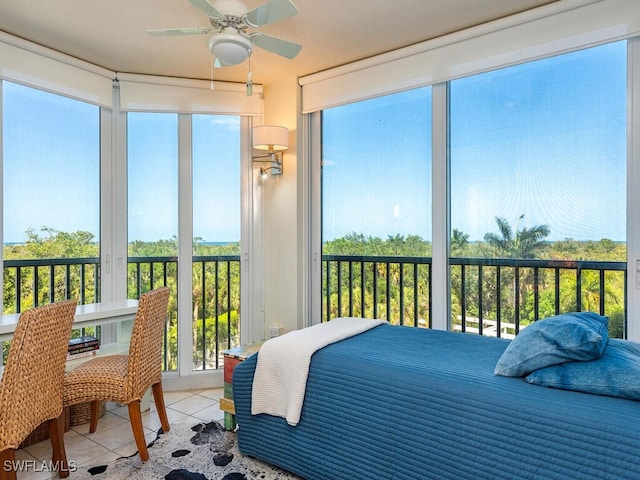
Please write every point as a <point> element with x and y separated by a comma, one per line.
<point>200,452</point>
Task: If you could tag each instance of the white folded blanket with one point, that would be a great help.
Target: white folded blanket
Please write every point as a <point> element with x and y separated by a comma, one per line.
<point>280,378</point>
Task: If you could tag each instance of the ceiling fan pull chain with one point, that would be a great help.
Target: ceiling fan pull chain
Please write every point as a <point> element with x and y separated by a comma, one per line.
<point>211,74</point>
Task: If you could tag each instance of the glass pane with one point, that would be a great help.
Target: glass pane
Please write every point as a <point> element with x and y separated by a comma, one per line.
<point>152,159</point>
<point>538,172</point>
<point>376,201</point>
<point>51,203</point>
<point>216,245</point>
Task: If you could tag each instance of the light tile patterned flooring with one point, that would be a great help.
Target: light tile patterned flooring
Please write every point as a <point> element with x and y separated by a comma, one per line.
<point>113,438</point>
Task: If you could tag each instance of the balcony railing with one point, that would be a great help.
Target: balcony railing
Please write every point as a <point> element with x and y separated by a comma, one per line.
<point>377,287</point>
<point>29,283</point>
<point>494,297</point>
<point>216,295</point>
<point>216,303</point>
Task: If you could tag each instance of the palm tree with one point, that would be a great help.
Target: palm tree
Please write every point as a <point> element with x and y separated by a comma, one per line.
<point>459,241</point>
<point>524,244</point>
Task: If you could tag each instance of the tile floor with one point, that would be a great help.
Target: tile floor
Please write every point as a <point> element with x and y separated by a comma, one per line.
<point>111,440</point>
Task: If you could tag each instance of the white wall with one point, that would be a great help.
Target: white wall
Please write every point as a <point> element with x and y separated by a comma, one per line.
<point>280,212</point>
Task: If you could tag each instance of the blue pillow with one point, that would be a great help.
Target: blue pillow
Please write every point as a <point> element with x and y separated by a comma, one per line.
<point>554,340</point>
<point>616,373</point>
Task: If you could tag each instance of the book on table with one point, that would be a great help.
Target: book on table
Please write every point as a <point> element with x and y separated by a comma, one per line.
<point>82,347</point>
<point>75,356</point>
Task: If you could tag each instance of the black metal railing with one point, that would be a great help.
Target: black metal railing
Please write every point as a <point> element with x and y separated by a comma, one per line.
<point>488,296</point>
<point>377,287</point>
<point>216,303</point>
<point>217,326</point>
<point>29,283</point>
<point>216,295</point>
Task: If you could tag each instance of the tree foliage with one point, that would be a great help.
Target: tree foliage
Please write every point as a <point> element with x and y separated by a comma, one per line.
<point>387,289</point>
<point>398,291</point>
<point>525,243</point>
<point>216,295</point>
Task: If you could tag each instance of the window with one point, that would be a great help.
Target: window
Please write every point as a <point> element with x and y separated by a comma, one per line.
<point>216,227</point>
<point>537,197</point>
<point>538,176</point>
<point>51,204</point>
<point>152,160</point>
<point>54,167</point>
<point>153,146</point>
<point>376,202</point>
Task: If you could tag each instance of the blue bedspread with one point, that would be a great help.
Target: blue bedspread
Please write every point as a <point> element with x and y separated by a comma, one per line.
<point>407,403</point>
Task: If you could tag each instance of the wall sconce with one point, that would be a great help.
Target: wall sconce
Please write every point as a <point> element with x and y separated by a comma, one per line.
<point>274,140</point>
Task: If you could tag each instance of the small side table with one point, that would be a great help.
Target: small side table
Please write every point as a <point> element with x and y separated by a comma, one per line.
<point>233,357</point>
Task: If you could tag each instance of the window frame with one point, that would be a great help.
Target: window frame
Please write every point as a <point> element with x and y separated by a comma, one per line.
<point>441,200</point>
<point>113,203</point>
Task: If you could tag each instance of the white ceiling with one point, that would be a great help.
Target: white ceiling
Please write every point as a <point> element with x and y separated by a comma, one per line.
<point>112,34</point>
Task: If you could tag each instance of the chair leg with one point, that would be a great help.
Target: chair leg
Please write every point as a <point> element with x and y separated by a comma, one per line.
<point>94,416</point>
<point>56,435</point>
<point>135,416</point>
<point>7,465</point>
<point>158,398</point>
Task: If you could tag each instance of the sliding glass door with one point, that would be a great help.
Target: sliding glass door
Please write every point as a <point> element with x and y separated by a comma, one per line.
<point>538,191</point>
<point>536,197</point>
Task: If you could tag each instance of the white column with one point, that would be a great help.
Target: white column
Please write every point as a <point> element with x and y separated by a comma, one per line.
<point>440,301</point>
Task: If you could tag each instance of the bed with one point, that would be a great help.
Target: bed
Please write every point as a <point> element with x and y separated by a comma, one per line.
<point>409,403</point>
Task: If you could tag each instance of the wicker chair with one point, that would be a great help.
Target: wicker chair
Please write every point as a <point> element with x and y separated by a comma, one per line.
<point>125,378</point>
<point>31,387</point>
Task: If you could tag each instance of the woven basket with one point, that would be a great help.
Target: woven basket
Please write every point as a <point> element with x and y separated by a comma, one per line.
<point>81,413</point>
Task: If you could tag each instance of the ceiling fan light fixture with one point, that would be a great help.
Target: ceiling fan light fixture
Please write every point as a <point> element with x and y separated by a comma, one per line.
<point>230,48</point>
<point>231,43</point>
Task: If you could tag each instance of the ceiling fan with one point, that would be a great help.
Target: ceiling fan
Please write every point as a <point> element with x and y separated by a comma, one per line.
<point>231,43</point>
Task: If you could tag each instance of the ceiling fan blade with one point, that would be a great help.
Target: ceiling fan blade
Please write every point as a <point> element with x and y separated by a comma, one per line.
<point>270,12</point>
<point>173,32</point>
<point>276,45</point>
<point>206,8</point>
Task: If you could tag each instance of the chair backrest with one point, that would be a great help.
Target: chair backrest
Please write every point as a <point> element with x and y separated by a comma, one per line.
<point>145,345</point>
<point>31,387</point>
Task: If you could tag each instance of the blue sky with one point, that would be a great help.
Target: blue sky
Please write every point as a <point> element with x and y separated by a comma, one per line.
<point>52,175</point>
<point>545,139</point>
<point>50,163</point>
<point>216,177</point>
